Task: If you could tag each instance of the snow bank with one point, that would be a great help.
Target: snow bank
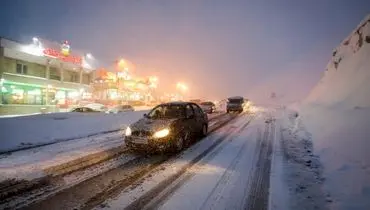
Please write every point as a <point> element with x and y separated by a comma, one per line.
<point>346,79</point>
<point>302,169</point>
<point>29,131</point>
<point>341,139</point>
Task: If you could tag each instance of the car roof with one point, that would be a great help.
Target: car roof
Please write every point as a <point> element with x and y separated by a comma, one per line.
<point>179,103</point>
<point>236,97</point>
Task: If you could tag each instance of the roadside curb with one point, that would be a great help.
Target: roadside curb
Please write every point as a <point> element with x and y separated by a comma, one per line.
<point>10,188</point>
<point>56,141</point>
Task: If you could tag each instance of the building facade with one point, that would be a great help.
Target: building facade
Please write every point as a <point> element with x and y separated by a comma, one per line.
<point>42,76</point>
<point>123,87</point>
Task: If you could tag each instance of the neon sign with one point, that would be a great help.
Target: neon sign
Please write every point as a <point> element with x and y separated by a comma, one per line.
<point>59,55</point>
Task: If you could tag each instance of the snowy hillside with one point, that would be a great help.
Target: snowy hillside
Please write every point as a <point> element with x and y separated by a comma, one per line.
<point>336,115</point>
<point>346,79</point>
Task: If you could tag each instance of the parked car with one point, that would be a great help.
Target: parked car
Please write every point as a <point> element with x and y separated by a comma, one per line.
<point>96,107</point>
<point>235,104</point>
<point>121,108</point>
<point>84,109</point>
<point>208,107</point>
<point>167,127</point>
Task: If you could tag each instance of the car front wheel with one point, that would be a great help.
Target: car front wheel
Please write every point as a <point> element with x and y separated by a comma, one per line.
<point>179,143</point>
<point>204,130</point>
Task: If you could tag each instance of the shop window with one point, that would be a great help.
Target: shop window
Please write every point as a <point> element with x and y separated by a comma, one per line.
<point>21,68</point>
<point>22,94</point>
<point>86,79</point>
<point>74,77</point>
<point>54,73</point>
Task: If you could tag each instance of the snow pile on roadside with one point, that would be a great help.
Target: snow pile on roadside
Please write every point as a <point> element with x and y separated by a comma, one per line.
<point>341,139</point>
<point>29,131</point>
<point>301,168</point>
<point>346,80</point>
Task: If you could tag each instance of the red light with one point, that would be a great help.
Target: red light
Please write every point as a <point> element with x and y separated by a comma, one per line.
<point>56,54</point>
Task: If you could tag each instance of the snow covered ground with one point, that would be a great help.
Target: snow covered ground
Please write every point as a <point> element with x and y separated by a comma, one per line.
<point>341,140</point>
<point>30,131</point>
<point>31,163</point>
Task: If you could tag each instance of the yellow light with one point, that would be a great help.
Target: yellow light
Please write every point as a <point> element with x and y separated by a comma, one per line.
<point>162,133</point>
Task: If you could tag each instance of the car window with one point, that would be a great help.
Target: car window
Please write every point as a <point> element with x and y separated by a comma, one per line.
<point>198,111</point>
<point>189,111</point>
<point>77,110</point>
<point>207,104</point>
<point>236,101</point>
<point>167,112</point>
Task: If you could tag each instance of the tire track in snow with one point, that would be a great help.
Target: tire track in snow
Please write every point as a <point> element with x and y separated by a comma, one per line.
<point>157,196</point>
<point>258,195</point>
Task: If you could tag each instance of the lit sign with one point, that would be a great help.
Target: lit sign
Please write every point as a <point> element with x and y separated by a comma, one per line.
<point>59,55</point>
<point>65,48</point>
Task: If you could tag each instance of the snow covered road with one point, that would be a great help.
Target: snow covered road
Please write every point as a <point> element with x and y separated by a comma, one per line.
<point>99,154</point>
<point>230,169</point>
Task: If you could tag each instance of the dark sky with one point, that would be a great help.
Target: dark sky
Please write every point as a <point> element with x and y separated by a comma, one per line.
<point>218,47</point>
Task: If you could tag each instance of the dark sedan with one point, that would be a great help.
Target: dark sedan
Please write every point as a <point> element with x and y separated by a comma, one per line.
<point>169,126</point>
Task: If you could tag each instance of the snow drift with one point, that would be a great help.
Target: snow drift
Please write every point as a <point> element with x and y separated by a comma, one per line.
<point>30,131</point>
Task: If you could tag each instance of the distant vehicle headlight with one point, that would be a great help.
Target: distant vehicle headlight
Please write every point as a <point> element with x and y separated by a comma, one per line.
<point>162,133</point>
<point>128,131</point>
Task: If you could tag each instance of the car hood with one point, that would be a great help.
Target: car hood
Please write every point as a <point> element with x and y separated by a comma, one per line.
<point>146,124</point>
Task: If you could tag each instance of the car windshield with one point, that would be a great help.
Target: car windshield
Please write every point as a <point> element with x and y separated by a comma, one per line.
<point>236,101</point>
<point>167,112</point>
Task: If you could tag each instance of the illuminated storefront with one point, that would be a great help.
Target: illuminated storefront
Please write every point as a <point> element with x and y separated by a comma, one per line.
<point>122,87</point>
<point>42,74</point>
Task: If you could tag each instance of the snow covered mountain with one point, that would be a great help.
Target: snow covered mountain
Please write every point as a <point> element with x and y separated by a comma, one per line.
<point>346,81</point>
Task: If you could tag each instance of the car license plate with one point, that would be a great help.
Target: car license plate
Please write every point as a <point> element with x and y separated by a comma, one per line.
<point>139,140</point>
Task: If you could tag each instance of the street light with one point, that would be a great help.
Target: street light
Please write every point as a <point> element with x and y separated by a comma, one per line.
<point>89,56</point>
<point>35,40</point>
<point>181,86</point>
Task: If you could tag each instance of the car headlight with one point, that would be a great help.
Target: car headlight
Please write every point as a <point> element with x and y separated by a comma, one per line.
<point>162,133</point>
<point>128,131</point>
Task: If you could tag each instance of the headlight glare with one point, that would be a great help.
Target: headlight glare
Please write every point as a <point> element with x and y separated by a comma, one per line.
<point>162,133</point>
<point>128,131</point>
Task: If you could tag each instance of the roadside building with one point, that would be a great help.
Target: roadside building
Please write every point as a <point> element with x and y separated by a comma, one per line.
<point>42,76</point>
<point>119,86</point>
